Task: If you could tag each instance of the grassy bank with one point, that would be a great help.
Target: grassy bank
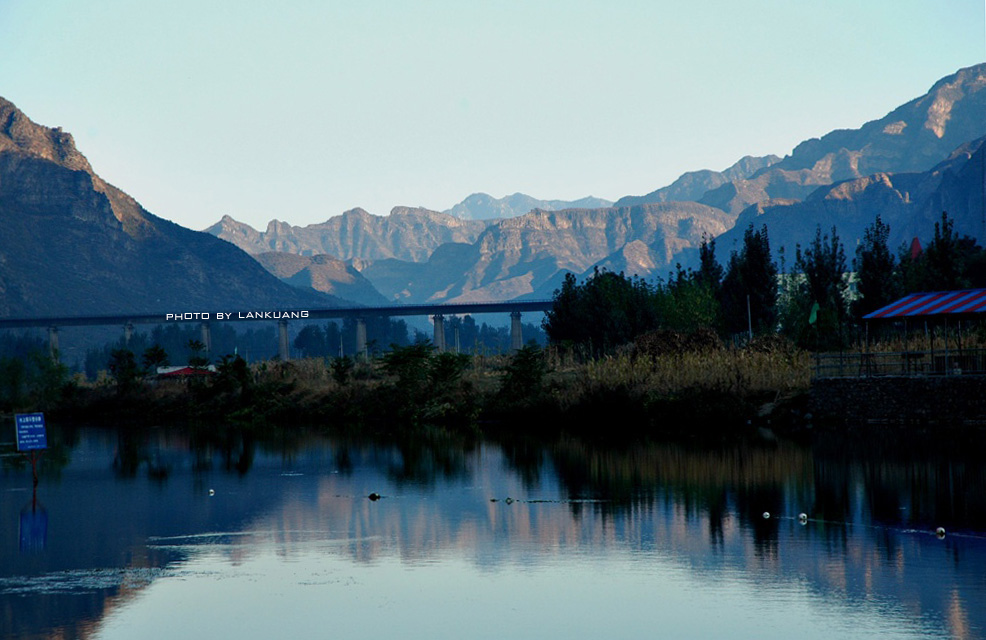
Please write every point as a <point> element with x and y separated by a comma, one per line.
<point>633,394</point>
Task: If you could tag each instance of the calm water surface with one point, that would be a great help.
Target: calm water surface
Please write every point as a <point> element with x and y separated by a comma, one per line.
<point>164,535</point>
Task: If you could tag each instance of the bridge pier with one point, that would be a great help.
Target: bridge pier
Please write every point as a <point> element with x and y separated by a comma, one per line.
<point>516,332</point>
<point>128,333</point>
<point>439,335</point>
<point>360,338</point>
<point>53,343</point>
<point>283,347</point>
<point>206,337</point>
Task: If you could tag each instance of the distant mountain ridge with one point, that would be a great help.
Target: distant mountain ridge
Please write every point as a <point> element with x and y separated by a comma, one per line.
<point>482,206</point>
<point>691,186</point>
<point>406,234</point>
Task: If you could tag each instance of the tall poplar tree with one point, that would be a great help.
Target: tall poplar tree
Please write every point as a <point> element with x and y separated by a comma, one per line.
<point>877,280</point>
<point>750,284</point>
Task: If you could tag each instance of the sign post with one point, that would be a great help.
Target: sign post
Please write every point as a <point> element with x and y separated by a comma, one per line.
<point>31,438</point>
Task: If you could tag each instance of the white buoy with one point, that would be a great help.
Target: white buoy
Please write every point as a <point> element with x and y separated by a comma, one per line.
<point>212,492</point>
<point>803,518</point>
<point>766,515</point>
<point>940,532</point>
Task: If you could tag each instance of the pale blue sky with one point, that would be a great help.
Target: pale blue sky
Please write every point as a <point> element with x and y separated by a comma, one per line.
<point>303,109</point>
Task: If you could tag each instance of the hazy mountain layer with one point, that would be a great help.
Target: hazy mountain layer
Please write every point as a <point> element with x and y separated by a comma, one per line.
<point>481,206</point>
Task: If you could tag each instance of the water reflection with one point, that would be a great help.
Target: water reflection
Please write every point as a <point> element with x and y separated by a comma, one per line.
<point>33,525</point>
<point>135,518</point>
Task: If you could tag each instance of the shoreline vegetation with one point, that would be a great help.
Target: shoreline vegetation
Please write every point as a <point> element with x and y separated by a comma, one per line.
<point>640,392</point>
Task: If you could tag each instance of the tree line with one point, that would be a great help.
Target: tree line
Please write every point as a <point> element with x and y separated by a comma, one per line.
<point>818,303</point>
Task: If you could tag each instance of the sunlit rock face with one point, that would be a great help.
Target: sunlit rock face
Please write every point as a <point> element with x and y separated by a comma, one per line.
<point>526,255</point>
<point>406,234</point>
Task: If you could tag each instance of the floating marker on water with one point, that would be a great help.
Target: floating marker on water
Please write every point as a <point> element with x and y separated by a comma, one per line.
<point>766,515</point>
<point>374,496</point>
<point>803,518</point>
<point>212,492</point>
<point>940,532</point>
<point>509,500</point>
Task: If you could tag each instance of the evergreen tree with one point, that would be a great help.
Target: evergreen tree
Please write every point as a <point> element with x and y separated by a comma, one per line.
<point>123,367</point>
<point>710,271</point>
<point>311,342</point>
<point>818,308</point>
<point>749,287</point>
<point>154,356</point>
<point>197,358</point>
<point>877,279</point>
<point>944,260</point>
<point>604,312</point>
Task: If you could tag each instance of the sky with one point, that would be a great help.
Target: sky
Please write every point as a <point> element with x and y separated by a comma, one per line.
<point>300,110</point>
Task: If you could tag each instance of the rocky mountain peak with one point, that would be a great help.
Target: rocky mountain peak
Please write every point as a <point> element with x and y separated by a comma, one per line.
<point>947,92</point>
<point>20,133</point>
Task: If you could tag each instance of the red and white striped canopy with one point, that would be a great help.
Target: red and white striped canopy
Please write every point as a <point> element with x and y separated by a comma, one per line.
<point>939,303</point>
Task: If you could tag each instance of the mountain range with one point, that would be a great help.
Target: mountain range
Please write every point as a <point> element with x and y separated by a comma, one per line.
<point>905,166</point>
<point>70,243</point>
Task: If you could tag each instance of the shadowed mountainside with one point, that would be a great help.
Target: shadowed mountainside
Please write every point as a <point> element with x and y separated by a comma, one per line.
<point>72,244</point>
<point>322,273</point>
<point>910,203</point>
<point>912,138</point>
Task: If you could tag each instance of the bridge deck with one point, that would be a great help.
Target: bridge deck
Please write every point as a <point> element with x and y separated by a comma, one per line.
<point>255,315</point>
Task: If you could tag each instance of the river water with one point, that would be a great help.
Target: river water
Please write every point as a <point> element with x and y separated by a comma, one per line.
<point>169,535</point>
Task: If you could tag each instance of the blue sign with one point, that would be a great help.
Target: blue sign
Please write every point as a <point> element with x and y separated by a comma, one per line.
<point>31,434</point>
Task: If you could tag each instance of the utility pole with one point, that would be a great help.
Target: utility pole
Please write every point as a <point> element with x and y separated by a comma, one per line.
<point>749,317</point>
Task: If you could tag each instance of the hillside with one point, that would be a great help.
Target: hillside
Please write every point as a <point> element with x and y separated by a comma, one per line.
<point>72,244</point>
<point>910,203</point>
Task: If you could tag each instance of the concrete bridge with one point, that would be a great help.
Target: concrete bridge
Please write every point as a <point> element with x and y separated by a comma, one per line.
<point>283,316</point>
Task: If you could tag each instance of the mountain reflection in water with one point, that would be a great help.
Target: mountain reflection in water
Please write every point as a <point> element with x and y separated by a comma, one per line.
<point>478,539</point>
